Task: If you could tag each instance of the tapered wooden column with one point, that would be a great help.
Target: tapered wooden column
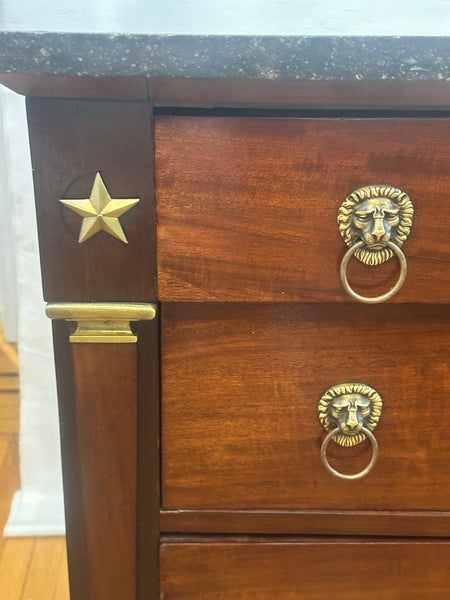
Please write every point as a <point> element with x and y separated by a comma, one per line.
<point>106,429</point>
<point>99,427</point>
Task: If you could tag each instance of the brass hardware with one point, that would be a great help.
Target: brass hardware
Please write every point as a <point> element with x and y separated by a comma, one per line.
<point>100,212</point>
<point>365,471</point>
<point>373,299</point>
<point>349,412</point>
<point>103,322</point>
<point>374,222</point>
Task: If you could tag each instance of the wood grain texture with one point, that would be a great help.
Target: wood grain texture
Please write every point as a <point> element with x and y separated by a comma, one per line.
<point>70,141</point>
<point>309,570</point>
<point>14,566</point>
<point>62,581</point>
<point>77,554</point>
<point>105,382</point>
<point>65,86</point>
<point>240,390</point>
<point>148,501</point>
<point>35,568</point>
<point>210,93</point>
<point>9,477</point>
<point>47,558</point>
<point>98,407</point>
<point>247,207</point>
<point>307,522</point>
<point>9,410</point>
<point>9,393</point>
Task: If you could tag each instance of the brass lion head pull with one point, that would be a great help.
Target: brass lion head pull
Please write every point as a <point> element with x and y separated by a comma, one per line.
<point>349,412</point>
<point>374,222</point>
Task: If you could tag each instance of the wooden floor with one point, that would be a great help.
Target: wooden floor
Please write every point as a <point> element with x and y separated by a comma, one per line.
<point>30,568</point>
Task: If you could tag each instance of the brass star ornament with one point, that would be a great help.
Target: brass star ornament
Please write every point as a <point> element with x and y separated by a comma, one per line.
<point>100,212</point>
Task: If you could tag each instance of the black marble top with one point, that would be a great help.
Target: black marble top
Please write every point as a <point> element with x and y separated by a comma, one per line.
<point>226,56</point>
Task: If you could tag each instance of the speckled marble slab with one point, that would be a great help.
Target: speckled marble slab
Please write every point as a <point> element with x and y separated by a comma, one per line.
<point>226,56</point>
<point>230,17</point>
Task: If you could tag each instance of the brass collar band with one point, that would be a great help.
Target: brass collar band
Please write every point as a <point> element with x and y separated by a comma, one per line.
<point>102,322</point>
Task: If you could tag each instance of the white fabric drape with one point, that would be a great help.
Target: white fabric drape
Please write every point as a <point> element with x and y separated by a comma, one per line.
<point>37,508</point>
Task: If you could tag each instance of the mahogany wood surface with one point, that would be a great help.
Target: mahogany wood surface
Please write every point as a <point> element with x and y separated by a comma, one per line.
<point>331,522</point>
<point>247,207</point>
<point>66,86</point>
<point>241,385</point>
<point>76,520</point>
<point>148,500</point>
<point>211,93</point>
<point>98,392</point>
<point>305,570</point>
<point>105,382</point>
<point>70,141</point>
<point>247,213</point>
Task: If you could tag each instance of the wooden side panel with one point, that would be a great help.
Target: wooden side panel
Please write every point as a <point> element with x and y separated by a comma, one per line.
<point>70,141</point>
<point>342,570</point>
<point>247,207</point>
<point>98,400</point>
<point>241,385</point>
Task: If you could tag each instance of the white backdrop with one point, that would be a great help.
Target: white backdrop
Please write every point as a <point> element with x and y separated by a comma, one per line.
<point>37,508</point>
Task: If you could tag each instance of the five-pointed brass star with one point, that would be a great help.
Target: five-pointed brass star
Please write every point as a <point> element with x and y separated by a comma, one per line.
<point>100,212</point>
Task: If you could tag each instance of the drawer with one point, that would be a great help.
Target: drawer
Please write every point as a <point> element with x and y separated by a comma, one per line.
<point>305,570</point>
<point>247,207</point>
<point>241,384</point>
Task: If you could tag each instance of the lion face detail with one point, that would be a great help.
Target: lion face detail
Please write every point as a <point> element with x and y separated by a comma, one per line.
<point>375,215</point>
<point>350,407</point>
<point>375,221</point>
<point>349,411</point>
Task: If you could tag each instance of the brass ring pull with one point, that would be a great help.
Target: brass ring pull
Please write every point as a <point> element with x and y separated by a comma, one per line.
<point>365,471</point>
<point>375,299</point>
<point>349,412</point>
<point>374,221</point>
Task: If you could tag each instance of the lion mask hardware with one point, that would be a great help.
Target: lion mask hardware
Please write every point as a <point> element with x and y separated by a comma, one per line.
<point>375,215</point>
<point>350,407</point>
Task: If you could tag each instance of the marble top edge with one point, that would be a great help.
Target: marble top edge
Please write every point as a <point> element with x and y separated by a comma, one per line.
<point>265,57</point>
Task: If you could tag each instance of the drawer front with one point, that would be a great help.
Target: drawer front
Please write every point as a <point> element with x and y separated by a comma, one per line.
<point>241,385</point>
<point>247,208</point>
<point>305,570</point>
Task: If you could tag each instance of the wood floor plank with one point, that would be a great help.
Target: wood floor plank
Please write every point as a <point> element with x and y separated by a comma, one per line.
<point>8,363</point>
<point>9,475</point>
<point>14,563</point>
<point>30,568</point>
<point>9,387</point>
<point>62,583</point>
<point>6,484</point>
<point>9,478</point>
<point>9,358</point>
<point>44,567</point>
<point>9,428</point>
<point>9,412</point>
<point>9,382</point>
<point>5,440</point>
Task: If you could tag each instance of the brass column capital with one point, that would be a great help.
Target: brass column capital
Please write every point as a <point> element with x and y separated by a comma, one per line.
<point>102,322</point>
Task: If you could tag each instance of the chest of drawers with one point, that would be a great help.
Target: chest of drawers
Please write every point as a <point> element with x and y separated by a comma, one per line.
<point>192,359</point>
<point>255,326</point>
